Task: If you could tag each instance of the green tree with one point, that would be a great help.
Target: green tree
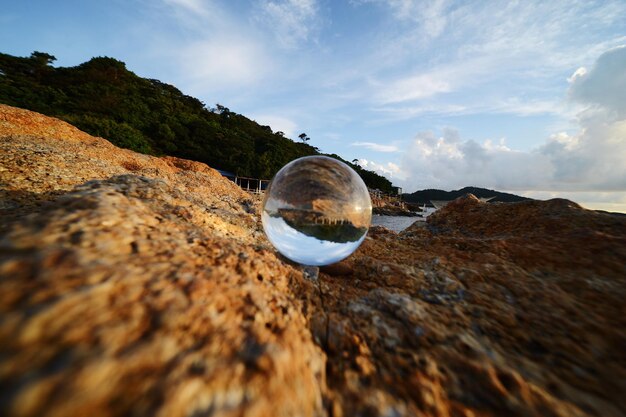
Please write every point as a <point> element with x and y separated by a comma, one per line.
<point>42,59</point>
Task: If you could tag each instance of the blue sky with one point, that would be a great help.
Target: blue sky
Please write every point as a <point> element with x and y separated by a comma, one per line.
<point>523,96</point>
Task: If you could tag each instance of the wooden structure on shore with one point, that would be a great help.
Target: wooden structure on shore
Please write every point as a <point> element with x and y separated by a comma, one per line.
<point>252,185</point>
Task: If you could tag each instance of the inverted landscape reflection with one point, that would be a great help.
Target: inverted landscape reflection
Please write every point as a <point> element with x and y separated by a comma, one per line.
<point>305,249</point>
<point>316,211</point>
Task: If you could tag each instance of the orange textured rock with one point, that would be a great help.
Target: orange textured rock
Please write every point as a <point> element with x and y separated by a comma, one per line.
<point>135,285</point>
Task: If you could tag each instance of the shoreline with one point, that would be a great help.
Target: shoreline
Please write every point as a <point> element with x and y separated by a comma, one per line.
<point>393,211</point>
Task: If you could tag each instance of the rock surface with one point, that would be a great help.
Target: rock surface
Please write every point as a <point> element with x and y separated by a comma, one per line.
<point>394,211</point>
<point>136,285</point>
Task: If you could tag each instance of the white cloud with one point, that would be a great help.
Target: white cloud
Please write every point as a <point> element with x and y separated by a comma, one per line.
<point>376,146</point>
<point>447,161</point>
<point>205,54</point>
<point>222,62</point>
<point>513,105</point>
<point>605,84</point>
<point>430,15</point>
<point>292,21</point>
<point>194,6</point>
<point>520,107</point>
<point>412,88</point>
<point>389,169</point>
<point>579,73</point>
<point>591,160</point>
<point>195,16</point>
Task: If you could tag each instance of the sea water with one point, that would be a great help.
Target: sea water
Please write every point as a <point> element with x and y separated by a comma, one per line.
<point>395,223</point>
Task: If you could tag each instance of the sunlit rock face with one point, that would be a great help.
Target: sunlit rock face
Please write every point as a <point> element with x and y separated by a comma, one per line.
<point>316,211</point>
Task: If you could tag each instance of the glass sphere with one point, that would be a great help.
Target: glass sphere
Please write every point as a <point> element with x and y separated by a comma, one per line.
<point>316,210</point>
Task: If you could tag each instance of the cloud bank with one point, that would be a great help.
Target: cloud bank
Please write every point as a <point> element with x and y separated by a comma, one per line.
<point>593,160</point>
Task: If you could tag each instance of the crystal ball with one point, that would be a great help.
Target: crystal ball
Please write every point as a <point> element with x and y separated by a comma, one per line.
<point>316,211</point>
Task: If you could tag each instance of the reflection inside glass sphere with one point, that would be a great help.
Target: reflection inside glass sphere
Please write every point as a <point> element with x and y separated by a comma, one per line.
<point>316,211</point>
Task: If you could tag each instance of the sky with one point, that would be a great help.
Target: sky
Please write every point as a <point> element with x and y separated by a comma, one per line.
<point>527,96</point>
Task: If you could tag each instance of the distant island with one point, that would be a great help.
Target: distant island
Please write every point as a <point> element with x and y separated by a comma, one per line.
<point>103,98</point>
<point>426,196</point>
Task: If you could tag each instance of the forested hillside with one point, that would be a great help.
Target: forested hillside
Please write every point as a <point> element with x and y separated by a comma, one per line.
<point>105,99</point>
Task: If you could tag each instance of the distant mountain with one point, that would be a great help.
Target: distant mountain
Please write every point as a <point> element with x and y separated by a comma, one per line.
<point>425,196</point>
<point>103,98</point>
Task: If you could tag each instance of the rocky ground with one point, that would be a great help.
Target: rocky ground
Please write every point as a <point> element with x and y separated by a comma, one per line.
<point>135,285</point>
<point>394,211</point>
